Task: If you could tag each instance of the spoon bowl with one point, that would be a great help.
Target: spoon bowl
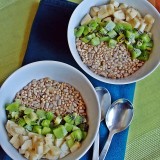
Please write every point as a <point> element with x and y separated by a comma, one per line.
<point>118,118</point>
<point>119,115</point>
<point>104,98</point>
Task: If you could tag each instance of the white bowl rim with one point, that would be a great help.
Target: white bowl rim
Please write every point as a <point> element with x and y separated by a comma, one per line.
<point>71,67</point>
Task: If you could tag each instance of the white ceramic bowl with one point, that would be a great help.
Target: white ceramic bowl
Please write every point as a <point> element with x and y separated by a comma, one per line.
<point>60,72</point>
<point>144,7</point>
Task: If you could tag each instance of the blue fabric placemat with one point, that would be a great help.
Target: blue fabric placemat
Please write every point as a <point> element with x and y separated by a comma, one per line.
<point>48,41</point>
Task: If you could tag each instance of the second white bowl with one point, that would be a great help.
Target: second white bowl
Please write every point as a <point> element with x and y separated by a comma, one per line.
<point>144,7</point>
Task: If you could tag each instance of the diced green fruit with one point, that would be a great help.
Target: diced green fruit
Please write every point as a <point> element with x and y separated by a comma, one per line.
<point>112,43</point>
<point>33,116</point>
<point>15,115</point>
<point>144,56</point>
<point>135,53</point>
<point>21,122</point>
<point>142,47</point>
<point>33,123</point>
<point>18,101</point>
<point>84,135</point>
<point>37,129</point>
<point>49,116</point>
<point>86,30</point>
<point>110,26</point>
<point>112,34</point>
<point>75,128</point>
<point>79,31</point>
<point>77,135</point>
<point>103,31</point>
<point>60,132</point>
<point>93,25</point>
<point>150,44</point>
<point>68,137</point>
<point>127,42</point>
<point>58,120</point>
<point>22,108</point>
<point>45,123</point>
<point>148,49</point>
<point>68,127</point>
<point>28,127</point>
<point>69,118</point>
<point>98,35</point>
<point>90,36</point>
<point>127,26</point>
<point>28,111</point>
<point>120,27</point>
<point>105,39</point>
<point>85,40</point>
<point>46,130</point>
<point>41,114</point>
<point>102,24</point>
<point>139,43</point>
<point>75,115</point>
<point>121,38</point>
<point>70,142</point>
<point>130,36</point>
<point>9,116</point>
<point>136,34</point>
<point>84,127</point>
<point>75,146</point>
<point>95,41</point>
<point>27,119</point>
<point>13,107</point>
<point>98,20</point>
<point>130,47</point>
<point>145,37</point>
<point>78,120</point>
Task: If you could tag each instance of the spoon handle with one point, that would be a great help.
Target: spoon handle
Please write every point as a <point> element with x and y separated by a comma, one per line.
<point>96,148</point>
<point>106,146</point>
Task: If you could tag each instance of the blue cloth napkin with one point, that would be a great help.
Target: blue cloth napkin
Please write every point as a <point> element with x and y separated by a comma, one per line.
<point>48,41</point>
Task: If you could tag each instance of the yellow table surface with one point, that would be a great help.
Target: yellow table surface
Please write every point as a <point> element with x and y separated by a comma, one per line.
<point>16,17</point>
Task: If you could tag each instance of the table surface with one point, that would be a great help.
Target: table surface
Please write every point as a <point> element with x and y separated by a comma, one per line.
<point>16,17</point>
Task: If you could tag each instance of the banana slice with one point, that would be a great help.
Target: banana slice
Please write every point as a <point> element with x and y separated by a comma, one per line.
<point>15,141</point>
<point>115,3</point>
<point>27,145</point>
<point>119,15</point>
<point>123,6</point>
<point>105,11</point>
<point>102,9</point>
<point>87,18</point>
<point>117,20</point>
<point>149,19</point>
<point>135,22</point>
<point>148,27</point>
<point>110,9</point>
<point>139,15</point>
<point>27,154</point>
<point>131,13</point>
<point>107,19</point>
<point>94,11</point>
<point>142,27</point>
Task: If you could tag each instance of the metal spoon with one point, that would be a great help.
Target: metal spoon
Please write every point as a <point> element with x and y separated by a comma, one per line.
<point>104,98</point>
<point>118,118</point>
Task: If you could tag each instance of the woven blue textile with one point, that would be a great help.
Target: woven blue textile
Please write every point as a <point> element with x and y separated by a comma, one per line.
<point>48,41</point>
